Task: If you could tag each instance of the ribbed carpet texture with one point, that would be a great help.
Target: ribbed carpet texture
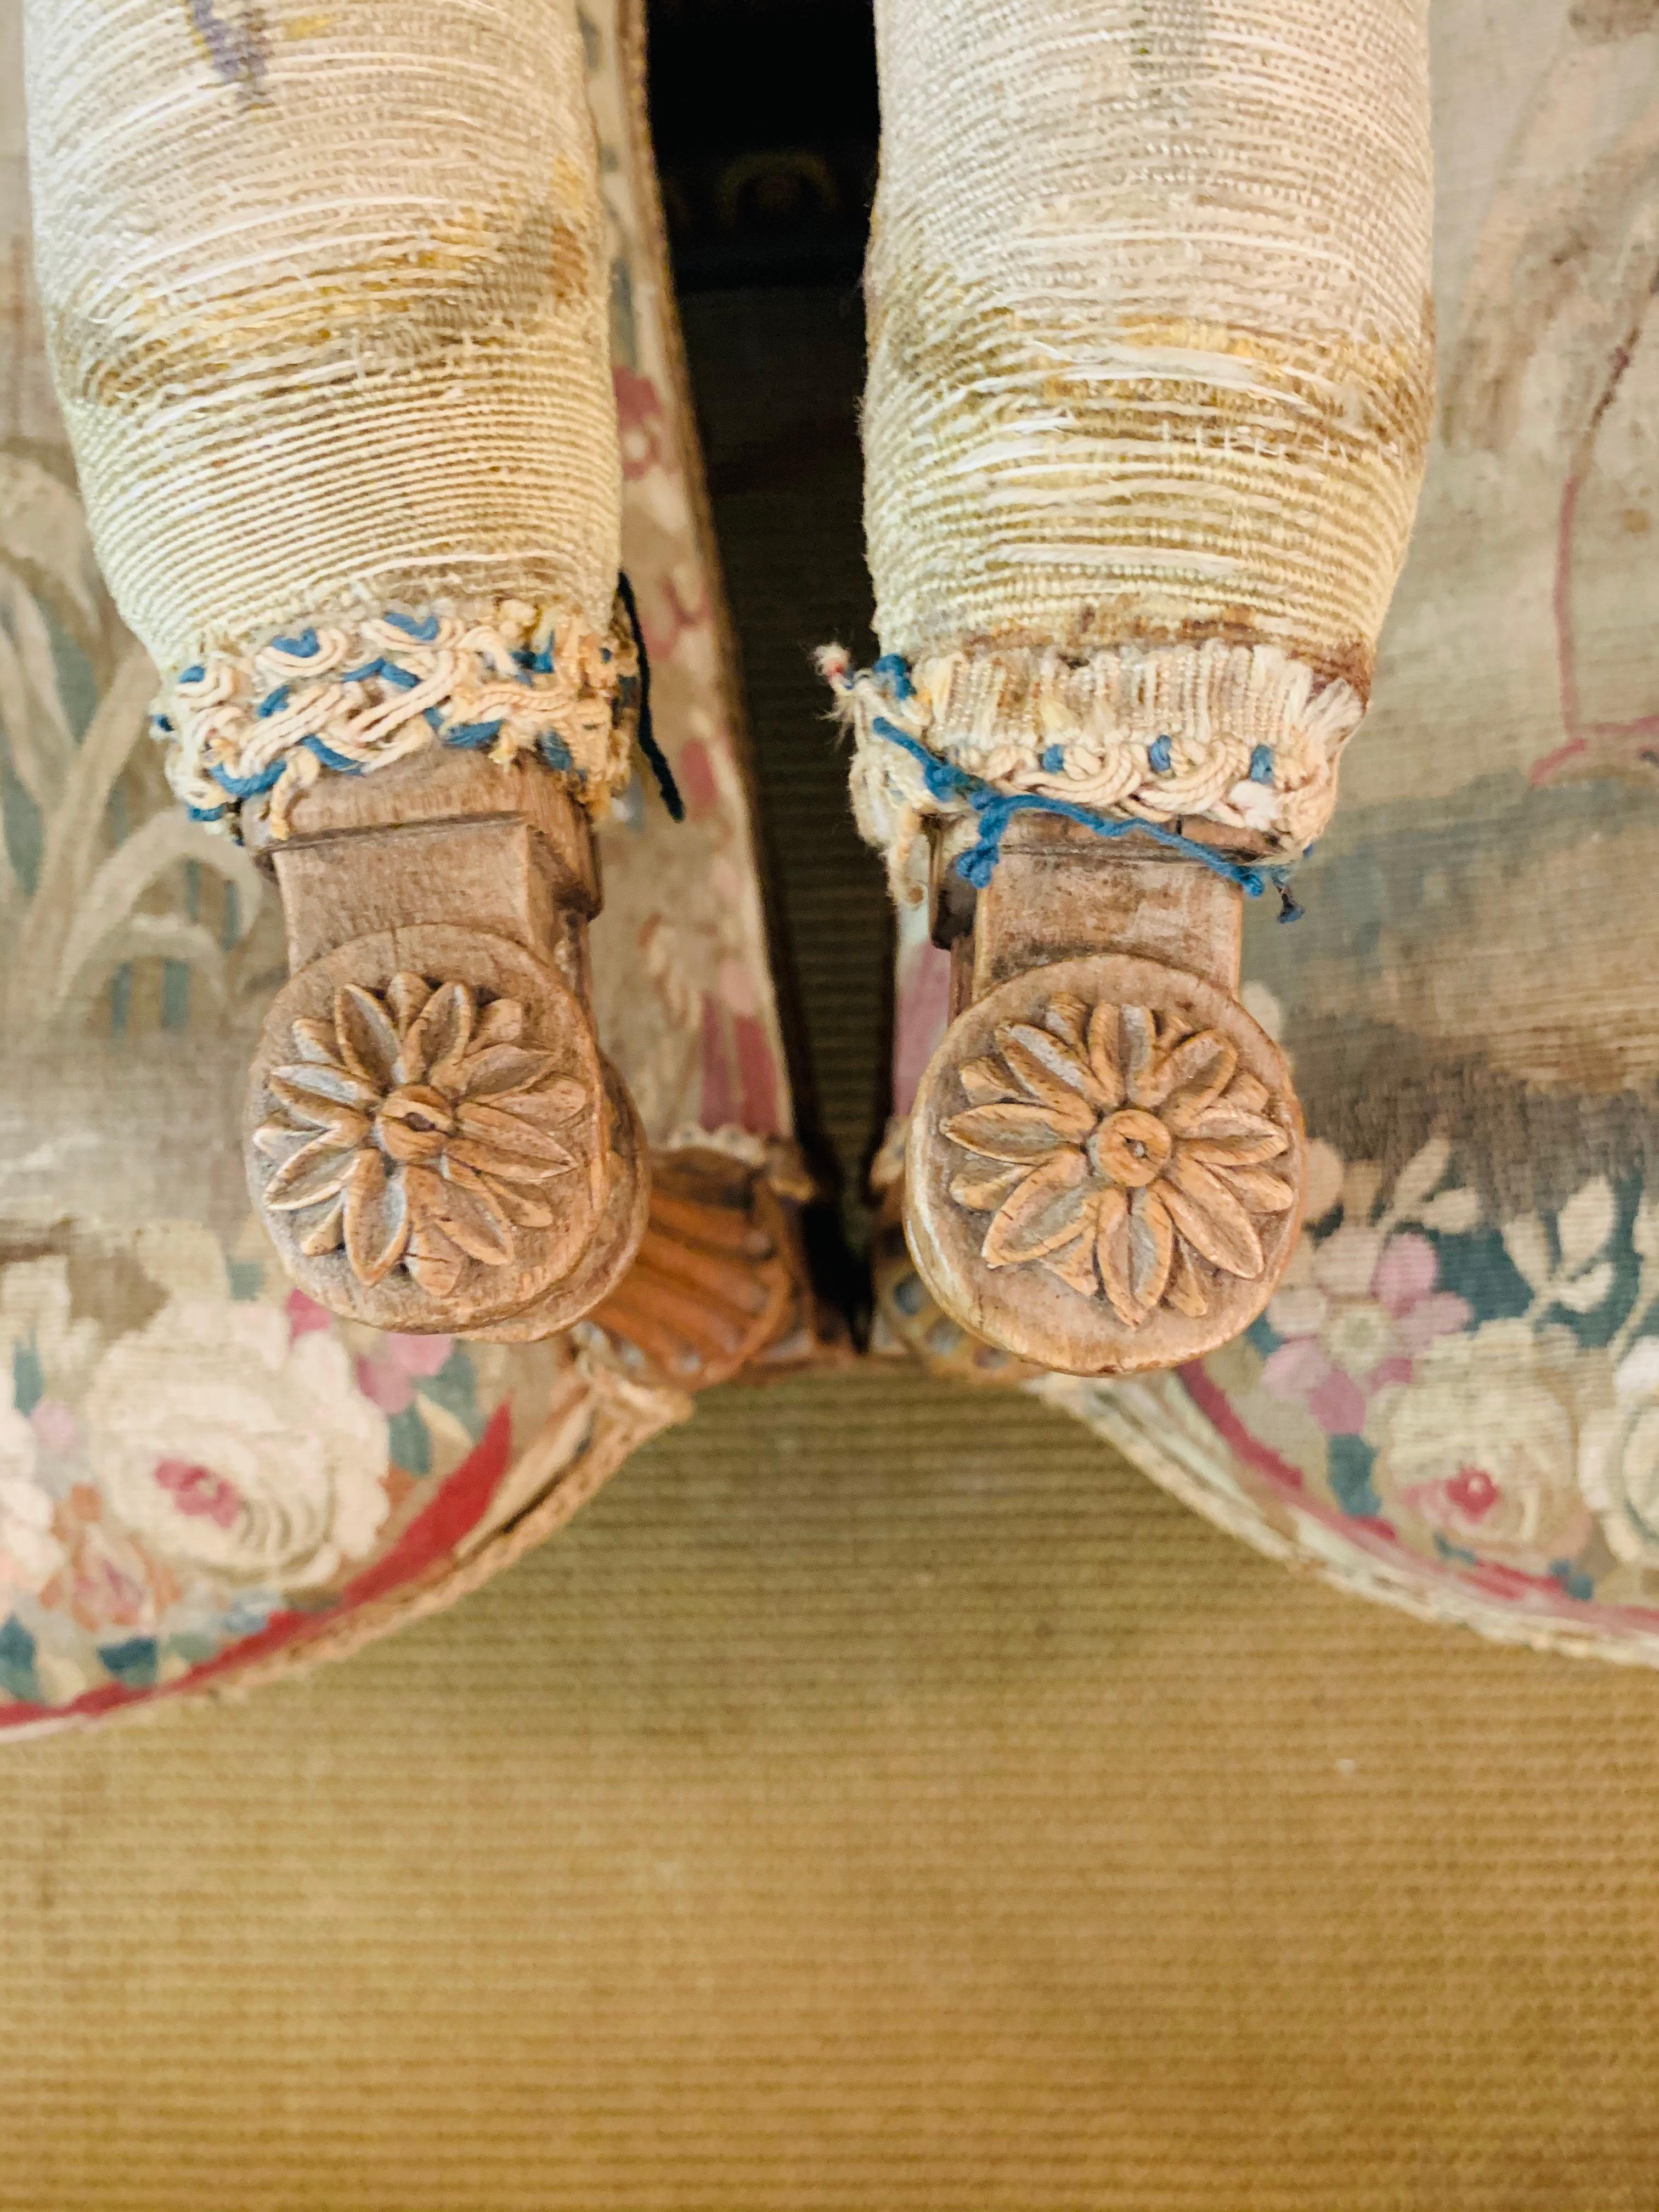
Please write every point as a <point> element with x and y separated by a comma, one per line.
<point>873,1802</point>
<point>880,1798</point>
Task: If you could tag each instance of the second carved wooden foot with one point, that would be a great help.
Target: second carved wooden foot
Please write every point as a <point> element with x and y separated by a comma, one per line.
<point>1105,1168</point>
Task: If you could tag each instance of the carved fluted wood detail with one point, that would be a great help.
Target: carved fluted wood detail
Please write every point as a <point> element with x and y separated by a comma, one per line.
<point>717,1278</point>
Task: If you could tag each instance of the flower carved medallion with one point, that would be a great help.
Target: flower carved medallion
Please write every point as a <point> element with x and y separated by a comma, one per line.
<point>415,1128</point>
<point>1123,1149</point>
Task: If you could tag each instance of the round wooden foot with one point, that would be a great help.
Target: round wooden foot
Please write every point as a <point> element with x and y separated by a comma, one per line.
<point>435,1143</point>
<point>1104,1171</point>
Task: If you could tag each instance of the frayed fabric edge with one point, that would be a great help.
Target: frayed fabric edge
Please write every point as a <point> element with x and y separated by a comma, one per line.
<point>512,679</point>
<point>1244,737</point>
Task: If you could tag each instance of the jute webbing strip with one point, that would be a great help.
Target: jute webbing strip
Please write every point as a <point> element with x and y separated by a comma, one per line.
<point>326,299</point>
<point>1149,397</point>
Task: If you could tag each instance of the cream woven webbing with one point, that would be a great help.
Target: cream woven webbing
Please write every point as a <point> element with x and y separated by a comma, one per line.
<point>1149,397</point>
<point>327,301</point>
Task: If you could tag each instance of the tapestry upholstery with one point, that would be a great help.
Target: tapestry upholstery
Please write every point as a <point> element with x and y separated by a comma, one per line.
<point>202,1472</point>
<point>1452,1402</point>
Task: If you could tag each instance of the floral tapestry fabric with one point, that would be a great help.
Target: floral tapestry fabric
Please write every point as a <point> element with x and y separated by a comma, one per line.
<point>1452,1402</point>
<point>169,1489</point>
<point>200,1470</point>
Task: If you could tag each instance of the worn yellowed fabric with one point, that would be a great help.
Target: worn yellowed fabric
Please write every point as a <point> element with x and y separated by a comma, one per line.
<point>881,1800</point>
<point>327,306</point>
<point>1150,366</point>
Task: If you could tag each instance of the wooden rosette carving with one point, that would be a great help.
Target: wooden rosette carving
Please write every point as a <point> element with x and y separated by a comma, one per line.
<point>435,1142</point>
<point>1105,1167</point>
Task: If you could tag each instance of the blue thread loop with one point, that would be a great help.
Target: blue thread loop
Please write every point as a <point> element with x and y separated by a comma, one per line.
<point>893,670</point>
<point>995,810</point>
<point>330,758</point>
<point>247,787</point>
<point>423,628</point>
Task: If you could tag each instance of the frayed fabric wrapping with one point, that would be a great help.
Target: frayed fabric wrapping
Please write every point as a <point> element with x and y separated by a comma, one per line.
<point>326,299</point>
<point>1149,391</point>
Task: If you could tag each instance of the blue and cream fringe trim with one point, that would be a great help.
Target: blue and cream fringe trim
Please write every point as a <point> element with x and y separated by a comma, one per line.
<point>1134,738</point>
<point>514,680</point>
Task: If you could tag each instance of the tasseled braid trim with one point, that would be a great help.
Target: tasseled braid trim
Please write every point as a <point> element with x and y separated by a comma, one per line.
<point>1242,736</point>
<point>511,679</point>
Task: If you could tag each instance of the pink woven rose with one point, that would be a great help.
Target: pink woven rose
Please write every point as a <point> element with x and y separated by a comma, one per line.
<point>1361,1311</point>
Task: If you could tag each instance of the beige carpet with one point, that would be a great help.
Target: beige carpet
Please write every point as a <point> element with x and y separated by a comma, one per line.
<point>862,1807</point>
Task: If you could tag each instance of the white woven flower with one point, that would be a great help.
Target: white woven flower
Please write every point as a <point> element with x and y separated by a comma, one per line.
<point>225,1445</point>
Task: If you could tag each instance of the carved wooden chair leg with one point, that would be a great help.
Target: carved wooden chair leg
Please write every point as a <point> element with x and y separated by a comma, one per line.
<point>1104,1166</point>
<point>1150,382</point>
<point>356,484</point>
<point>435,1142</point>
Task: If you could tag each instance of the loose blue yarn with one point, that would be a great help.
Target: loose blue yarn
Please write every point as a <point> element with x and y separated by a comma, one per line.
<point>995,810</point>
<point>893,670</point>
<point>422,628</point>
